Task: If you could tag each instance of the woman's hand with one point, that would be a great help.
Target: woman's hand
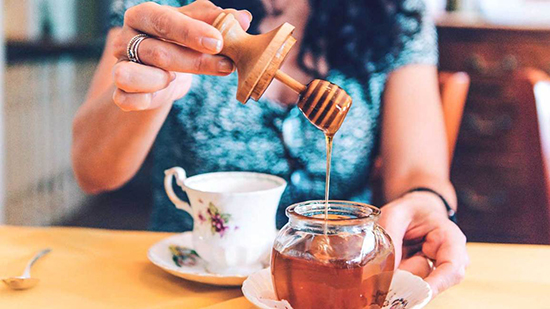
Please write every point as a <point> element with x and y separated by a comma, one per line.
<point>420,230</point>
<point>182,40</point>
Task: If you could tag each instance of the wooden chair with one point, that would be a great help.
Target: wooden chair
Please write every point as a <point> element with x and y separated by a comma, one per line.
<point>454,91</point>
<point>453,87</point>
<point>502,175</point>
<point>531,87</point>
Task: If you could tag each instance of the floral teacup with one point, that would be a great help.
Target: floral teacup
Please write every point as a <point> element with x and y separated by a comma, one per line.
<point>234,217</point>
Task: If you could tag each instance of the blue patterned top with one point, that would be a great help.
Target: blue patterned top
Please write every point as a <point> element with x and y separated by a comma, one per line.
<point>209,130</point>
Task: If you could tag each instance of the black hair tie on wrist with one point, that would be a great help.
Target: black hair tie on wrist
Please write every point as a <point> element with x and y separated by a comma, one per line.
<point>450,212</point>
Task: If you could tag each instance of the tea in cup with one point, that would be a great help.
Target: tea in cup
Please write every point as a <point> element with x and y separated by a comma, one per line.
<point>234,217</point>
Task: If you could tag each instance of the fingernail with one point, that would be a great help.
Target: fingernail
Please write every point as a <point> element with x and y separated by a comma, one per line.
<point>249,14</point>
<point>225,66</point>
<point>145,104</point>
<point>212,44</point>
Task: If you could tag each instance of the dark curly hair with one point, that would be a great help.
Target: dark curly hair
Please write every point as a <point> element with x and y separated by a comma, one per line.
<point>357,37</point>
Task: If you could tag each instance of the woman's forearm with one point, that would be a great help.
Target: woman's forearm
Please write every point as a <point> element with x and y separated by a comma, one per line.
<point>395,186</point>
<point>413,141</point>
<point>109,145</point>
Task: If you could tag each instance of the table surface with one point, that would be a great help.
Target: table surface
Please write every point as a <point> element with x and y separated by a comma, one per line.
<point>91,268</point>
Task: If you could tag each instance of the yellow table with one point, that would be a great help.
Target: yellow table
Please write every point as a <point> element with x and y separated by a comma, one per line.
<point>109,269</point>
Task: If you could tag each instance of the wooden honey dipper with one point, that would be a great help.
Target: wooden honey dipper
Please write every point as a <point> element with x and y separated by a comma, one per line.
<point>258,59</point>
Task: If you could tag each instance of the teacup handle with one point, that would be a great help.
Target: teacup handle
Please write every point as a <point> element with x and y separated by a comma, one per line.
<point>180,175</point>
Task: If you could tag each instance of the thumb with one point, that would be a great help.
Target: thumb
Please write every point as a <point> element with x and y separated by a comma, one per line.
<point>208,12</point>
<point>395,222</point>
<point>417,264</point>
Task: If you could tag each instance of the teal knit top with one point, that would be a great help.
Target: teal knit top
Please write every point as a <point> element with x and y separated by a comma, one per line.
<point>209,130</point>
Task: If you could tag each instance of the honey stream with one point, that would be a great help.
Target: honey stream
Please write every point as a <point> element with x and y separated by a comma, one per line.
<point>325,105</point>
<point>328,139</point>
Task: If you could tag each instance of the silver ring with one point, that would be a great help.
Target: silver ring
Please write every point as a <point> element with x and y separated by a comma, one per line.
<point>133,45</point>
<point>431,263</point>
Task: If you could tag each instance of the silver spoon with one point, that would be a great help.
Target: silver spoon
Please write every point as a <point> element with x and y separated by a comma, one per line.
<point>25,281</point>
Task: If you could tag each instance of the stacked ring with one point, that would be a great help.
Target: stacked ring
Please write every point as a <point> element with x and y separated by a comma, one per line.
<point>133,45</point>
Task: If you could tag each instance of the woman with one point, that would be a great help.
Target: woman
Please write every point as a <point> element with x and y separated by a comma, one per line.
<point>378,51</point>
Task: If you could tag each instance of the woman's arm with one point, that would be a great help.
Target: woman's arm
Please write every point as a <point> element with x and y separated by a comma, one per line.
<point>128,102</point>
<point>413,140</point>
<point>109,144</point>
<point>414,154</point>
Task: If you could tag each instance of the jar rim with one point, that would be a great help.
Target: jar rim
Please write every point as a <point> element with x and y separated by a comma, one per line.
<point>360,213</point>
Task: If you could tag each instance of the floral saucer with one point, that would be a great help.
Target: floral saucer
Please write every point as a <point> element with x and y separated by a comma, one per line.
<point>407,291</point>
<point>175,255</point>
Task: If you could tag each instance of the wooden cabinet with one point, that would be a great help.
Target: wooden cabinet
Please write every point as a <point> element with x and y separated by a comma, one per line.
<point>498,169</point>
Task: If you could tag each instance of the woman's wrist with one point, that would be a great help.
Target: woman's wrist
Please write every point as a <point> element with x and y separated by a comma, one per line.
<point>441,200</point>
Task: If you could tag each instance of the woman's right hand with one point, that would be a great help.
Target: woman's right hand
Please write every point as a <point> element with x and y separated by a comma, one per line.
<point>182,41</point>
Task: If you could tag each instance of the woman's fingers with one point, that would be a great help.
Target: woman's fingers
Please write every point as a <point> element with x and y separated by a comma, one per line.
<point>244,17</point>
<point>132,101</point>
<point>169,24</point>
<point>395,220</point>
<point>208,12</point>
<point>188,26</point>
<point>133,77</point>
<point>172,57</point>
<point>417,264</point>
<point>447,246</point>
<point>182,40</point>
<point>138,101</point>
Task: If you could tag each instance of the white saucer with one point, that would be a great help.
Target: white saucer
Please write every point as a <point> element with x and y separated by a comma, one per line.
<point>161,256</point>
<point>407,291</point>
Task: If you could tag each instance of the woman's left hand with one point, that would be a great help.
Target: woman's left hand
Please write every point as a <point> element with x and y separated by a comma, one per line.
<point>422,233</point>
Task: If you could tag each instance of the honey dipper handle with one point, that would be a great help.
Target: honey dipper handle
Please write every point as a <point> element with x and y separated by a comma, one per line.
<point>289,81</point>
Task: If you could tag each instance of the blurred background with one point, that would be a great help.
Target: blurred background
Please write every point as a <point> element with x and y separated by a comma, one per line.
<point>49,50</point>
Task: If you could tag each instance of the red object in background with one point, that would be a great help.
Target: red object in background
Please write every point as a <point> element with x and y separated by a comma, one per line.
<point>500,170</point>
